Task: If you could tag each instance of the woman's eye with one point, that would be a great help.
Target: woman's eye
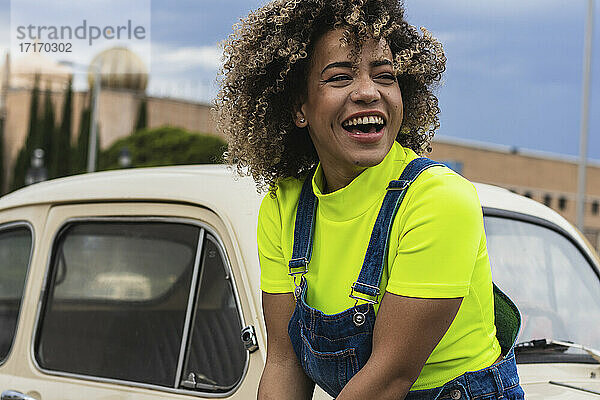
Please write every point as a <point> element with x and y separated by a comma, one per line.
<point>338,78</point>
<point>386,77</point>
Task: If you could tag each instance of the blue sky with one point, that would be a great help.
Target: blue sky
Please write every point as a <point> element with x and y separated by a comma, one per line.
<point>514,70</point>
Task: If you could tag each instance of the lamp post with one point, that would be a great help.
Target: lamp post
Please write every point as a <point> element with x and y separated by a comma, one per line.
<point>92,150</point>
<point>585,115</point>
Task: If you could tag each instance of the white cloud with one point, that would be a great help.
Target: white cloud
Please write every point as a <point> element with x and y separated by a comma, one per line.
<point>185,58</point>
<point>187,72</point>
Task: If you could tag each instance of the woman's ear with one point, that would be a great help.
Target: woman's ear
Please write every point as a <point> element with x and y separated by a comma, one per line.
<point>300,119</point>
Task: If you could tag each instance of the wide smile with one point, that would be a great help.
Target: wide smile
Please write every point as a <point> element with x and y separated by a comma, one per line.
<point>364,124</point>
<point>365,127</point>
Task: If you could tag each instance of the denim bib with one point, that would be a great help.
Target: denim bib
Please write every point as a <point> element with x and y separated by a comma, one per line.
<point>332,348</point>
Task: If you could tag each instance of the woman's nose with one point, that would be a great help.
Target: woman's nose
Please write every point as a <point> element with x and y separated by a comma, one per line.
<point>365,91</point>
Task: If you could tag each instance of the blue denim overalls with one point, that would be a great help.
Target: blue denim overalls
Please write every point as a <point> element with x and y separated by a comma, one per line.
<point>333,348</point>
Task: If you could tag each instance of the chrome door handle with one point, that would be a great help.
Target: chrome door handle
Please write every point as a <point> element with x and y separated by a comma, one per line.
<point>14,395</point>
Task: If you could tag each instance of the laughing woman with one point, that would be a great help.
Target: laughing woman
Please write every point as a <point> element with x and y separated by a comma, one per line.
<point>374,269</point>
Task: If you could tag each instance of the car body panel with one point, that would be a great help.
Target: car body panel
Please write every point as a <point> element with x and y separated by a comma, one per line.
<point>535,379</point>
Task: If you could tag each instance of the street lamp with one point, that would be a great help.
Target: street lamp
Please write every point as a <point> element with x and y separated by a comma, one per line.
<point>37,172</point>
<point>91,165</point>
<point>585,115</point>
<point>124,158</point>
<point>92,150</point>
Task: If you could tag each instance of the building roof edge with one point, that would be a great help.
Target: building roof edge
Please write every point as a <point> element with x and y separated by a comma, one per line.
<point>501,148</point>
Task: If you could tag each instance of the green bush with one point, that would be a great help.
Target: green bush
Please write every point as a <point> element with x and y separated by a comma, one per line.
<point>165,146</point>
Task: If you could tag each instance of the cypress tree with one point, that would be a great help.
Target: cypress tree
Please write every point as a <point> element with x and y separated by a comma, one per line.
<point>62,148</point>
<point>81,150</point>
<point>32,141</point>
<point>20,169</point>
<point>142,117</point>
<point>80,153</point>
<point>1,155</point>
<point>48,134</point>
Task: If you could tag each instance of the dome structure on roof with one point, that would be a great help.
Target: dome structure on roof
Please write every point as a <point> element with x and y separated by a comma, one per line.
<point>119,68</point>
<point>23,71</point>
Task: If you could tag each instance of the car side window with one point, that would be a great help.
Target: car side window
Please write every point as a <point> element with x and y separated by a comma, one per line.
<point>15,254</point>
<point>120,299</point>
<point>552,283</point>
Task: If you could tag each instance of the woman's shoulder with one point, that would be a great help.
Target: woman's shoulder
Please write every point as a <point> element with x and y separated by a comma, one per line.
<point>437,178</point>
<point>283,196</point>
<point>286,190</point>
<point>444,190</point>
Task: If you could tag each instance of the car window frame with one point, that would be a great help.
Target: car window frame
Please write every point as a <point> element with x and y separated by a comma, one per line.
<point>12,225</point>
<point>204,229</point>
<point>514,215</point>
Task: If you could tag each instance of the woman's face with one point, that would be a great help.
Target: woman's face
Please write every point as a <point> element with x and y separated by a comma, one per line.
<point>352,114</point>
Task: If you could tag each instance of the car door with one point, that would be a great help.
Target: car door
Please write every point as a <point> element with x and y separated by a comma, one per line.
<point>137,300</point>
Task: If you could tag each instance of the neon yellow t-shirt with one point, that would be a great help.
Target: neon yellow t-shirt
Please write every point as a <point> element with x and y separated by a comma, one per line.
<point>437,249</point>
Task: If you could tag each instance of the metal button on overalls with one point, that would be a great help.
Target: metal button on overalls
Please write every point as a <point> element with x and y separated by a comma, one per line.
<point>455,394</point>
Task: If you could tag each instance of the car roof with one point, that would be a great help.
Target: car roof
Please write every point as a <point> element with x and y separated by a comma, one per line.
<point>217,187</point>
<point>212,186</point>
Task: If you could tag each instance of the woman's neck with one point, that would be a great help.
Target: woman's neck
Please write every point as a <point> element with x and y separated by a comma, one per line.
<point>337,178</point>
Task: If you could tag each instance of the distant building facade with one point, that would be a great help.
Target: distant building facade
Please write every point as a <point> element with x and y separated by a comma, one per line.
<point>547,178</point>
<point>123,80</point>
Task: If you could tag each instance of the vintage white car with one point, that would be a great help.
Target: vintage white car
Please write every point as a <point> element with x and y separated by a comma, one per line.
<point>144,284</point>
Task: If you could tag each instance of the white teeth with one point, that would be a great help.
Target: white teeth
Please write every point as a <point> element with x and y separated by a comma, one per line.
<point>371,119</point>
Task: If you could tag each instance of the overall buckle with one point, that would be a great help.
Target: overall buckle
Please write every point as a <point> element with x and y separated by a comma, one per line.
<point>398,185</point>
<point>296,263</point>
<point>370,301</point>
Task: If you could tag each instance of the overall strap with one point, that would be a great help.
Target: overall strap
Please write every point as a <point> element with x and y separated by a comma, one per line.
<point>303,230</point>
<point>367,285</point>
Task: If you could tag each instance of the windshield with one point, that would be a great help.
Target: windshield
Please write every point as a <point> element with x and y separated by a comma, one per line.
<point>552,283</point>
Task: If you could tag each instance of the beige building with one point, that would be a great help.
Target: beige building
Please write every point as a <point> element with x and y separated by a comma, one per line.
<point>548,178</point>
<point>123,80</point>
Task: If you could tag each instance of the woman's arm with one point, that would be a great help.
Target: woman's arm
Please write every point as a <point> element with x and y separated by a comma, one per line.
<point>283,376</point>
<point>440,232</point>
<point>407,329</point>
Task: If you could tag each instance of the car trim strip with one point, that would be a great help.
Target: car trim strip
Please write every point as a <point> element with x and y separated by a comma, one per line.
<point>194,288</point>
<point>574,387</point>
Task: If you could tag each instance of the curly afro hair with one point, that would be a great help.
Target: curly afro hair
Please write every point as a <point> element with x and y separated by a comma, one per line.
<point>263,78</point>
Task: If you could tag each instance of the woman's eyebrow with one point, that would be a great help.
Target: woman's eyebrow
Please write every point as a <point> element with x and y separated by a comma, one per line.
<point>341,64</point>
<point>347,64</point>
<point>379,63</point>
